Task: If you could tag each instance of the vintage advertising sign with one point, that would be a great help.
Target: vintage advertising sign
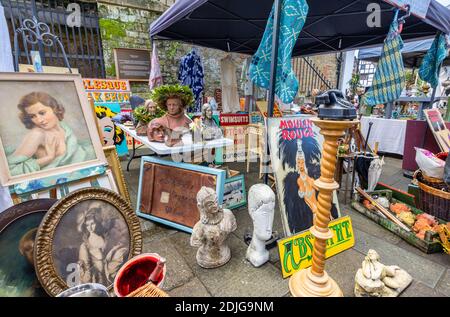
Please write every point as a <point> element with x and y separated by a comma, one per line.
<point>296,251</point>
<point>295,152</point>
<point>229,119</point>
<point>110,97</point>
<point>418,7</point>
<point>237,151</point>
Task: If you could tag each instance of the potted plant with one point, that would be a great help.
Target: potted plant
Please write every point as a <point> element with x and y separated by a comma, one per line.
<point>144,114</point>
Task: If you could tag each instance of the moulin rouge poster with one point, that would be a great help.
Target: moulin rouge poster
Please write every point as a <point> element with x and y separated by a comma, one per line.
<point>295,152</point>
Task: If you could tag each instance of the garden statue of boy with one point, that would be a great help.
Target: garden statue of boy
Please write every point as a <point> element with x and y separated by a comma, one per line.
<point>261,207</point>
<point>174,99</point>
<point>211,231</point>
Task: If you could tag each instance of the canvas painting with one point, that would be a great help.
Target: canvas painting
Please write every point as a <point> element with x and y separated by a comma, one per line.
<point>234,195</point>
<point>18,227</point>
<point>295,151</point>
<point>46,127</point>
<point>110,98</point>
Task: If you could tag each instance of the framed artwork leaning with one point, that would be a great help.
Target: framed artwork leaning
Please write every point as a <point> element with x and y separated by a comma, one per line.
<point>234,194</point>
<point>168,191</point>
<point>18,228</point>
<point>85,238</point>
<point>46,127</point>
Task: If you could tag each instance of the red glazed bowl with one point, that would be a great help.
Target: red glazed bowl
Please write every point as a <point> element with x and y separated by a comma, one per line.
<point>136,272</point>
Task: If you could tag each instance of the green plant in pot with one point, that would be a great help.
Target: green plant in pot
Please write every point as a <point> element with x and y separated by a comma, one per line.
<point>146,113</point>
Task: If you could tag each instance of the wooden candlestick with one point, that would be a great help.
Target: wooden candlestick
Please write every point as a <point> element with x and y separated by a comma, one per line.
<point>314,281</point>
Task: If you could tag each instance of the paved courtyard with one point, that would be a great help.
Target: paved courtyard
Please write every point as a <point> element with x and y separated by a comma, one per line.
<point>185,278</point>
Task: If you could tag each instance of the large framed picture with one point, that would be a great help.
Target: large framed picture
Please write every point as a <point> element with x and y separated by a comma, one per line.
<point>234,193</point>
<point>18,227</point>
<point>46,127</point>
<point>85,238</point>
<point>168,191</point>
<point>438,127</point>
<point>295,152</point>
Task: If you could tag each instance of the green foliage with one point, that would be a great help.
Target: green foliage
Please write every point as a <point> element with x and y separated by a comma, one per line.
<point>172,50</point>
<point>162,93</point>
<point>354,83</point>
<point>112,29</point>
<point>142,115</point>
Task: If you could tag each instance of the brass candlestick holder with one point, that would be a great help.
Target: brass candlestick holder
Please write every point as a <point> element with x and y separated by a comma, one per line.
<point>314,281</point>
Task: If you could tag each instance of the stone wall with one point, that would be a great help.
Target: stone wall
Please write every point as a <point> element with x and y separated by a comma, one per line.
<point>125,23</point>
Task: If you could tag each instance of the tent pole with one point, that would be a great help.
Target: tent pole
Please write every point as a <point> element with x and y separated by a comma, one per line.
<point>273,74</point>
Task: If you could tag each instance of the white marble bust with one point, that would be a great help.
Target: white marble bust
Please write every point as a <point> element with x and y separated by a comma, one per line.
<point>261,207</point>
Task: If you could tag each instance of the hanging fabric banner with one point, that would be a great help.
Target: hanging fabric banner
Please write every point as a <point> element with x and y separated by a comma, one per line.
<point>292,18</point>
<point>155,79</point>
<point>389,79</point>
<point>431,64</point>
<point>191,74</point>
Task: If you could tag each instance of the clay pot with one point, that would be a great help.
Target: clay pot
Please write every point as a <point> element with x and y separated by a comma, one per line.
<point>136,272</point>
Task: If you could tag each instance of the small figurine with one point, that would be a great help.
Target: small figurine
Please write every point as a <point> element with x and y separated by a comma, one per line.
<point>261,207</point>
<point>174,99</point>
<point>210,233</point>
<point>210,129</point>
<point>375,279</point>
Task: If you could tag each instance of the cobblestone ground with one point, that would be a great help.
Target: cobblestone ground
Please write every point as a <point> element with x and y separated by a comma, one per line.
<point>431,272</point>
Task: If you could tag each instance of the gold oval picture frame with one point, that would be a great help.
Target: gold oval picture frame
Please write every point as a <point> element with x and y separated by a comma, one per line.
<point>85,238</point>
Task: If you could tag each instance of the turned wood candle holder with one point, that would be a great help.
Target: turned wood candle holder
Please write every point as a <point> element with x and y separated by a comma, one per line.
<point>314,281</point>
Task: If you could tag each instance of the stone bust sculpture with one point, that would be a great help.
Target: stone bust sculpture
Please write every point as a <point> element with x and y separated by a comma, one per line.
<point>210,129</point>
<point>261,207</point>
<point>210,233</point>
<point>375,279</point>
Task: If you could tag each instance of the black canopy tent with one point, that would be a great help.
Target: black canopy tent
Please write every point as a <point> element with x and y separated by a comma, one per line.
<point>413,53</point>
<point>331,25</point>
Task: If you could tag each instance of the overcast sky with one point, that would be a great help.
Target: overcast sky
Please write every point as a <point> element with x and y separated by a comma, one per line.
<point>444,2</point>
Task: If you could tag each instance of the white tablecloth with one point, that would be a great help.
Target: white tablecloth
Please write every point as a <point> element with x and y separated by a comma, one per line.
<point>389,133</point>
<point>162,149</point>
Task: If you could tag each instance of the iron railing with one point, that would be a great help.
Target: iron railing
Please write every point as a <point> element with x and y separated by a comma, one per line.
<point>83,44</point>
<point>309,76</point>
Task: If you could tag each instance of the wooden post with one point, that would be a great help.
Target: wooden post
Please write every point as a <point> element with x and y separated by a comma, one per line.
<point>314,281</point>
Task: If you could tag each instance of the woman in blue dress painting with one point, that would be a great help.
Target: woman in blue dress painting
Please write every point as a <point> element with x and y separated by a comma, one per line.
<point>50,142</point>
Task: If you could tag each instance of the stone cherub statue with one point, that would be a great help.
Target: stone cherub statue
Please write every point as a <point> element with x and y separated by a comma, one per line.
<point>210,130</point>
<point>261,207</point>
<point>375,279</point>
<point>210,233</point>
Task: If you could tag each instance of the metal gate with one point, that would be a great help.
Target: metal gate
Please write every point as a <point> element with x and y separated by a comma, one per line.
<point>83,45</point>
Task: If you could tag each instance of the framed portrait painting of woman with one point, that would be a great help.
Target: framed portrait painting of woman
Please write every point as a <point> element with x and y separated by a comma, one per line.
<point>46,127</point>
<point>85,237</point>
<point>18,227</point>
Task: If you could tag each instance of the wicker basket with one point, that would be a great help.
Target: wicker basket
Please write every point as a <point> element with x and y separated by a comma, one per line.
<point>437,183</point>
<point>434,201</point>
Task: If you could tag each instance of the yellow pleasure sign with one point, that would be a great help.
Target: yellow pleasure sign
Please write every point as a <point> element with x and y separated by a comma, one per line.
<point>296,251</point>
